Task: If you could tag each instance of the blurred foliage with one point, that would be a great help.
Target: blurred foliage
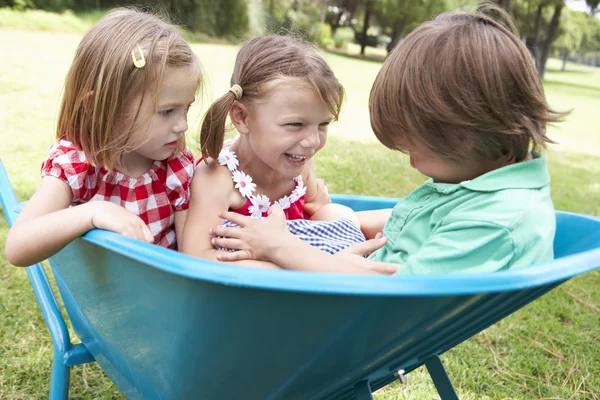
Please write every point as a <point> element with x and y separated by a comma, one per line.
<point>374,23</point>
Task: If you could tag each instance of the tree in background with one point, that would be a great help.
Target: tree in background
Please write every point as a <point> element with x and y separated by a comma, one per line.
<point>573,25</point>
<point>366,21</point>
<point>550,35</point>
<point>545,25</point>
<point>341,12</point>
<point>590,43</point>
<point>401,16</point>
<point>539,22</point>
<point>594,6</point>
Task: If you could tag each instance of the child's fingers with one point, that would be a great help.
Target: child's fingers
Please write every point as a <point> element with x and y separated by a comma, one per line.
<point>385,268</point>
<point>226,231</point>
<point>147,234</point>
<point>239,255</point>
<point>234,217</point>
<point>135,229</point>
<point>276,211</point>
<point>136,234</point>
<point>141,231</point>
<point>366,248</point>
<point>227,243</point>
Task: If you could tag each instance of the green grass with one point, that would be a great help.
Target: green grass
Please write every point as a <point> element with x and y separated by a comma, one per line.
<point>39,20</point>
<point>548,350</point>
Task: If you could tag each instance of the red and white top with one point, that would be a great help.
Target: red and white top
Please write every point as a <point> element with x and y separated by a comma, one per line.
<point>154,196</point>
<point>258,205</point>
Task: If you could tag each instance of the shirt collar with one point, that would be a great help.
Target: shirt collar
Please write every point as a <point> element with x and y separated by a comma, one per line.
<point>531,174</point>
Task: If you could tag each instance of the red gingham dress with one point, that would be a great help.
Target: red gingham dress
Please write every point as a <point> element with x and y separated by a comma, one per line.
<point>154,196</point>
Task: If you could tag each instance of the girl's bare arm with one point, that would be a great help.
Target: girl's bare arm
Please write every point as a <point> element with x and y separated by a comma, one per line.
<point>47,223</point>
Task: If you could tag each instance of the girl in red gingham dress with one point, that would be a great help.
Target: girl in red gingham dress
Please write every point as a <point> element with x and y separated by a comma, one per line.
<point>120,140</point>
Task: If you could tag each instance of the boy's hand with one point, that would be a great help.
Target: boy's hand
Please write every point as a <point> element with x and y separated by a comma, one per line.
<point>113,217</point>
<point>364,249</point>
<point>256,239</point>
<point>357,253</point>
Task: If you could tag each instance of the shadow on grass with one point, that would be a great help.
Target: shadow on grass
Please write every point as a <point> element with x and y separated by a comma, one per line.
<point>574,88</point>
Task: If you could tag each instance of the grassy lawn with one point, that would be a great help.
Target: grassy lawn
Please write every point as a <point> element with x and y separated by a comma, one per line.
<point>549,349</point>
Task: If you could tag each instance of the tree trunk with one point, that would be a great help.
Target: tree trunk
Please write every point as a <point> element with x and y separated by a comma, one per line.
<point>271,7</point>
<point>336,22</point>
<point>324,10</point>
<point>535,45</point>
<point>552,29</point>
<point>365,27</point>
<point>397,31</point>
<point>565,55</point>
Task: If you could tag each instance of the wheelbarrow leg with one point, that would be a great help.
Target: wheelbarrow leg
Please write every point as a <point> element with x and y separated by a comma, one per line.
<point>362,390</point>
<point>59,380</point>
<point>440,378</point>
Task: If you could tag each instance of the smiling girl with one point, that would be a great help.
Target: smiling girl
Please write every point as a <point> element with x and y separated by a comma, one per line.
<point>282,100</point>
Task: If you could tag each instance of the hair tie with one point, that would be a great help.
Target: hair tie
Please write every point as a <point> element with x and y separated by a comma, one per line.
<point>237,91</point>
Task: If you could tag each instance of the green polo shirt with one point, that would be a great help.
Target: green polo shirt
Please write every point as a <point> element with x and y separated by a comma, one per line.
<point>500,220</point>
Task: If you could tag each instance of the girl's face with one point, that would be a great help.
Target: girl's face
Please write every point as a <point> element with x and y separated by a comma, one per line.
<point>284,130</point>
<point>168,121</point>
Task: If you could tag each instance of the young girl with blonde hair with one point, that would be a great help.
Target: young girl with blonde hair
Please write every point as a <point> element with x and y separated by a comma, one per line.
<point>120,139</point>
<point>282,100</point>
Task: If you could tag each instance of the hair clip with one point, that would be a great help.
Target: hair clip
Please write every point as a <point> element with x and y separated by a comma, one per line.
<point>139,63</point>
<point>237,91</point>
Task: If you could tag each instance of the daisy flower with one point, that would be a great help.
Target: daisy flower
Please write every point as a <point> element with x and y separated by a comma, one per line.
<point>260,205</point>
<point>284,202</point>
<point>298,192</point>
<point>227,157</point>
<point>244,183</point>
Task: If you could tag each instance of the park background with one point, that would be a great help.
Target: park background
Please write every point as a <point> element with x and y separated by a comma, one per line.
<point>548,350</point>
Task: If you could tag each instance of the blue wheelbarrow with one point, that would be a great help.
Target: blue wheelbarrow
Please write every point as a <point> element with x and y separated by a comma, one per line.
<point>164,325</point>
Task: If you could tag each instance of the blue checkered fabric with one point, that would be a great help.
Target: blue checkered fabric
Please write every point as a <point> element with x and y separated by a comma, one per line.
<point>328,236</point>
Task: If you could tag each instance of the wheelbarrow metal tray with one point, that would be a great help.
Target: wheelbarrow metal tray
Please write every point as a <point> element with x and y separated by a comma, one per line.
<point>164,325</point>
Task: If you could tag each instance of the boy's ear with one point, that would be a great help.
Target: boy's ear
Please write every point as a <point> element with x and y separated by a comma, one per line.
<point>238,113</point>
<point>88,100</point>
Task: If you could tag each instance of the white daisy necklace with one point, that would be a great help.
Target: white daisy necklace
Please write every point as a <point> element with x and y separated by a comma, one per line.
<point>243,182</point>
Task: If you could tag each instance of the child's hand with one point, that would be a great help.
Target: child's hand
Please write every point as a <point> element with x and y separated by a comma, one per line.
<point>113,217</point>
<point>358,252</point>
<point>364,249</point>
<point>256,239</point>
<point>321,198</point>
